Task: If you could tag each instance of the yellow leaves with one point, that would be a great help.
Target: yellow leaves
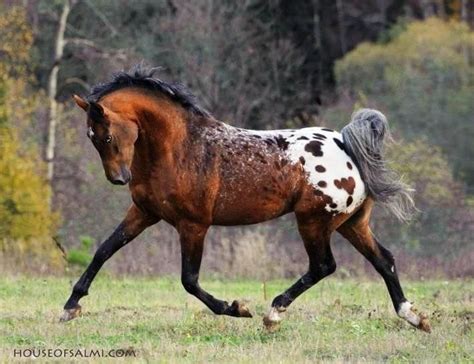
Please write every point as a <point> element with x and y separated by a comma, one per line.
<point>26,224</point>
<point>16,39</point>
<point>424,47</point>
<point>24,210</point>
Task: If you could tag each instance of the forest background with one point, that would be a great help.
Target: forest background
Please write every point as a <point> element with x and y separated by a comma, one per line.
<point>254,64</point>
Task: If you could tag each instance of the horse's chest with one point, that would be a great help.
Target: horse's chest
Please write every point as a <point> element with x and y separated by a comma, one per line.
<point>143,198</point>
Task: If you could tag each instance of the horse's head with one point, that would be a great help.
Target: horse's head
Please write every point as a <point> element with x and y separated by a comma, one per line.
<point>113,136</point>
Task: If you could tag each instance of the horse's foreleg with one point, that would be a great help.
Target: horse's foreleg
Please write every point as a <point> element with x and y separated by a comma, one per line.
<point>321,264</point>
<point>133,224</point>
<point>192,243</point>
<point>359,235</point>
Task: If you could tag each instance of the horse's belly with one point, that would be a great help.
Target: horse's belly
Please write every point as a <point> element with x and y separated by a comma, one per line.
<point>249,211</point>
<point>252,197</point>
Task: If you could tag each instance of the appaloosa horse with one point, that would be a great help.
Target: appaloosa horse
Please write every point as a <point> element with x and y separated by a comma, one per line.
<point>185,167</point>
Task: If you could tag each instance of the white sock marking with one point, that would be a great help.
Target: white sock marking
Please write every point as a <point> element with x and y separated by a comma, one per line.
<point>405,312</point>
<point>274,315</point>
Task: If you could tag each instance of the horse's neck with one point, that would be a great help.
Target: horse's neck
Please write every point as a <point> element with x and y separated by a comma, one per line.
<point>166,132</point>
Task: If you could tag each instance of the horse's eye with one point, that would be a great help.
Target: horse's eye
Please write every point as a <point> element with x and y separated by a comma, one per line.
<point>108,139</point>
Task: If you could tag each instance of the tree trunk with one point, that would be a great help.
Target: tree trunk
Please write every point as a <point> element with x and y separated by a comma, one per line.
<point>52,93</point>
<point>318,46</point>
<point>341,26</point>
<point>464,16</point>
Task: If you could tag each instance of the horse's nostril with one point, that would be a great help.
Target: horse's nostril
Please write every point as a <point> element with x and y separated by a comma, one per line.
<point>118,181</point>
<point>121,178</point>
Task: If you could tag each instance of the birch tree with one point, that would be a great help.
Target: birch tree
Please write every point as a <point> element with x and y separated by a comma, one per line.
<point>52,91</point>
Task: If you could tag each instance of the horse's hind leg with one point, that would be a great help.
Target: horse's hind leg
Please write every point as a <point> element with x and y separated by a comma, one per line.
<point>316,238</point>
<point>192,243</point>
<point>358,232</point>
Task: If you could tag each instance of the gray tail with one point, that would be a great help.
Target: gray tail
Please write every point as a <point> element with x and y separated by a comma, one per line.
<point>364,139</point>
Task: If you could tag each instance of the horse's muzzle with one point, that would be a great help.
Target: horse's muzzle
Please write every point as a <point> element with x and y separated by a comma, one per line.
<point>121,178</point>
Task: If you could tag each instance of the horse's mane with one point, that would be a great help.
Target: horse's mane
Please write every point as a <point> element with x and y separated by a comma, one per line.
<point>142,76</point>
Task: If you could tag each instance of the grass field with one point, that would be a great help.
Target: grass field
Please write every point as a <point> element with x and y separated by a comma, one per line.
<point>336,321</point>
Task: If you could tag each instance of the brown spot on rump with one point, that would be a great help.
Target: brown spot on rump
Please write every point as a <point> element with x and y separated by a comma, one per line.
<point>302,160</point>
<point>281,142</point>
<point>349,165</point>
<point>314,147</point>
<point>319,168</point>
<point>322,184</point>
<point>339,144</point>
<point>318,192</point>
<point>333,205</point>
<point>327,199</point>
<point>349,201</point>
<point>347,184</point>
<point>269,142</point>
<point>319,136</point>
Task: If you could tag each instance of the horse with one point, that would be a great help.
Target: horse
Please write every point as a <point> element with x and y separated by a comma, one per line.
<point>187,168</point>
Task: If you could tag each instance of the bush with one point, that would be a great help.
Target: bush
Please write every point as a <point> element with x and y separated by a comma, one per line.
<point>424,80</point>
<point>81,257</point>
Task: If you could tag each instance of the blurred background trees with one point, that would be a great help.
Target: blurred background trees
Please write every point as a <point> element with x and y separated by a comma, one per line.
<point>26,222</point>
<point>256,64</point>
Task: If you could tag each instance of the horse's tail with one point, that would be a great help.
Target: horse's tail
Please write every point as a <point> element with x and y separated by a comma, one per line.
<point>364,139</point>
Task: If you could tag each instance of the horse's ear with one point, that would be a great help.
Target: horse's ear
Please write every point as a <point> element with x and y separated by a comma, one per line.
<point>97,112</point>
<point>83,104</point>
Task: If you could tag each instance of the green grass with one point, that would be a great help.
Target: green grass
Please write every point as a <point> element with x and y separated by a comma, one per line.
<point>336,321</point>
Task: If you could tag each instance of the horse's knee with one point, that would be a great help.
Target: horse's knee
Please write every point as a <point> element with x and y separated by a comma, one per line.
<point>323,269</point>
<point>190,283</point>
<point>329,268</point>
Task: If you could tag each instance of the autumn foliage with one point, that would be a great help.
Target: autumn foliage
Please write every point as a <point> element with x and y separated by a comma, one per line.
<point>26,223</point>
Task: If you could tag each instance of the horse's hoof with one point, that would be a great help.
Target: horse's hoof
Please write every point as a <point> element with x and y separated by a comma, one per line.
<point>272,319</point>
<point>424,324</point>
<point>409,313</point>
<point>70,313</point>
<point>239,309</point>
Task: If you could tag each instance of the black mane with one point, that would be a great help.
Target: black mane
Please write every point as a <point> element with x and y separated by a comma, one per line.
<point>140,76</point>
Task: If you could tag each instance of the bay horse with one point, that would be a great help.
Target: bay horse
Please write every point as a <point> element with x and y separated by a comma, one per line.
<point>187,168</point>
